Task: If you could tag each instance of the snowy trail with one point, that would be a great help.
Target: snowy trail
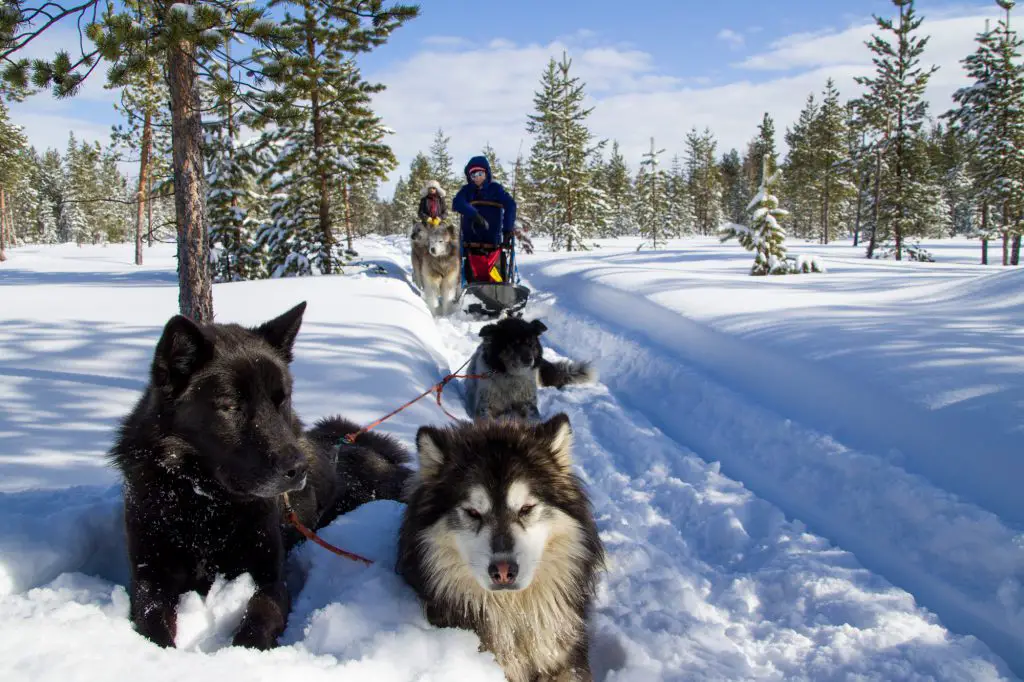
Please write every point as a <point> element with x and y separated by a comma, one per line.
<point>706,580</point>
<point>709,578</point>
<point>960,561</point>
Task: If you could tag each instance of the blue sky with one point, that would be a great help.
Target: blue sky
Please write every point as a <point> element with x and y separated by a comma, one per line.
<point>471,68</point>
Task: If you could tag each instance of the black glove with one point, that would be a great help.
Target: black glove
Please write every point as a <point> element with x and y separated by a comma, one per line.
<point>481,221</point>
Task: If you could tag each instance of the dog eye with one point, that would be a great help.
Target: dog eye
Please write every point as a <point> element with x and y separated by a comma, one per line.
<point>473,514</point>
<point>225,406</point>
<point>526,509</point>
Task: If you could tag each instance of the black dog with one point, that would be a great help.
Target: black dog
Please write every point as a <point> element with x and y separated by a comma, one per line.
<point>206,455</point>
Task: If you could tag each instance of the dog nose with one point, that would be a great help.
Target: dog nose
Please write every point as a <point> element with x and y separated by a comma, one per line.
<point>503,572</point>
<point>295,470</point>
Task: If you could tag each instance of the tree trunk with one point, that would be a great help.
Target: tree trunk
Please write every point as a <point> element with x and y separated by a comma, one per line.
<point>326,231</point>
<point>3,224</point>
<point>149,207</point>
<point>195,292</point>
<point>984,231</point>
<point>876,209</point>
<point>860,205</point>
<point>348,215</point>
<point>1015,251</point>
<point>140,209</point>
<point>1006,233</point>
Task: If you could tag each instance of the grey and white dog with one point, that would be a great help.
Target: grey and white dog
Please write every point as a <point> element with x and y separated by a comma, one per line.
<point>435,266</point>
<point>511,357</point>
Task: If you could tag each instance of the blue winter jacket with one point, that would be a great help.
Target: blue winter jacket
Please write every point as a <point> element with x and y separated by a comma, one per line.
<point>489,200</point>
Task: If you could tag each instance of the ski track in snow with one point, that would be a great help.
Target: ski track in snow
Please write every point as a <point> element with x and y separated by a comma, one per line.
<point>707,578</point>
<point>957,559</point>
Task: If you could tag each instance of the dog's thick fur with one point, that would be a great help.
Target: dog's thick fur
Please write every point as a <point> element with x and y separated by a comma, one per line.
<point>435,266</point>
<point>206,455</point>
<point>498,537</point>
<point>512,358</point>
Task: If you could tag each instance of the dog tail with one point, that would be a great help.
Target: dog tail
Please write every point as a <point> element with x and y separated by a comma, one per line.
<point>563,373</point>
<point>372,468</point>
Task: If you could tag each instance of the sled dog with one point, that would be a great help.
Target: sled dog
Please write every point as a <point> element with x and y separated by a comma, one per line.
<point>498,537</point>
<point>510,355</point>
<point>435,266</point>
<point>206,455</point>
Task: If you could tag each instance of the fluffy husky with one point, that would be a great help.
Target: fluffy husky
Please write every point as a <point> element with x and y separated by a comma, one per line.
<point>498,537</point>
<point>435,266</point>
<point>512,357</point>
<point>206,455</point>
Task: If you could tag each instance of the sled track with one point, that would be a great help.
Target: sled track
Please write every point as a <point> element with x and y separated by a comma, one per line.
<point>709,579</point>
<point>962,562</point>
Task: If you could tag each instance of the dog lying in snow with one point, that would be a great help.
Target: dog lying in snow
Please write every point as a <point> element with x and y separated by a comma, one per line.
<point>498,537</point>
<point>206,456</point>
<point>512,357</point>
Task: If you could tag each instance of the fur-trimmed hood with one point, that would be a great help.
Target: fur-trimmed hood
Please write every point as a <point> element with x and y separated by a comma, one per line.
<point>436,185</point>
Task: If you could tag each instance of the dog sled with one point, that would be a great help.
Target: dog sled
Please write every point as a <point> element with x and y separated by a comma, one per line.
<point>489,275</point>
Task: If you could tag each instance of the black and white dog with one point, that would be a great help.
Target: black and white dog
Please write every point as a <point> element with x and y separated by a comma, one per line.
<point>511,357</point>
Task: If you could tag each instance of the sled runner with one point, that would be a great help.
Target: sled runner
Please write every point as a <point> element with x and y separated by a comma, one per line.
<point>489,275</point>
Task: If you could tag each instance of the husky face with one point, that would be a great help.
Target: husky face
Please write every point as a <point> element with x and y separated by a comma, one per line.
<point>440,242</point>
<point>501,503</point>
<point>513,345</point>
<point>225,394</point>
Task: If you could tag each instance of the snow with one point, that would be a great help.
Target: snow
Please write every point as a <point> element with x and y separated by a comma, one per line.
<point>852,518</point>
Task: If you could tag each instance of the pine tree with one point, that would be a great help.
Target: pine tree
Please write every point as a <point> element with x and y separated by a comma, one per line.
<point>802,184</point>
<point>561,166</point>
<point>735,191</point>
<point>12,147</point>
<point>420,172</point>
<point>615,182</point>
<point>828,137</point>
<point>497,170</point>
<point>894,100</point>
<point>652,198</point>
<point>680,216</point>
<point>764,235</point>
<point>441,168</point>
<point>326,145</point>
<point>990,114</point>
<point>704,185</point>
<point>760,148</point>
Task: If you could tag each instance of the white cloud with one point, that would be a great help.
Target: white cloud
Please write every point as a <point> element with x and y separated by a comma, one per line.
<point>731,38</point>
<point>491,91</point>
<point>445,41</point>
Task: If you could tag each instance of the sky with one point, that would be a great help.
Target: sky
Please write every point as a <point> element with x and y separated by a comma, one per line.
<point>471,69</point>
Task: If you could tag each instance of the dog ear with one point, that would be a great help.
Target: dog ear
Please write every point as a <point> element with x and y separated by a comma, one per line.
<point>557,433</point>
<point>453,230</point>
<point>488,331</point>
<point>429,449</point>
<point>182,351</point>
<point>281,331</point>
<point>538,327</point>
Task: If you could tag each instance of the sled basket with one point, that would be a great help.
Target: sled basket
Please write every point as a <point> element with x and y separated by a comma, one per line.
<point>489,275</point>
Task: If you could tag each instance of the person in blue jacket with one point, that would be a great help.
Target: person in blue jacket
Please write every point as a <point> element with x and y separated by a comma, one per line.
<point>488,211</point>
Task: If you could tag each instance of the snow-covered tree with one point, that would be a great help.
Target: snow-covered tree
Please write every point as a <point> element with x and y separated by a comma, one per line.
<point>896,108</point>
<point>764,235</point>
<point>760,148</point>
<point>652,198</point>
<point>614,180</point>
<point>704,185</point>
<point>326,136</point>
<point>498,171</point>
<point>735,191</point>
<point>991,114</point>
<point>441,164</point>
<point>561,168</point>
<point>12,147</point>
